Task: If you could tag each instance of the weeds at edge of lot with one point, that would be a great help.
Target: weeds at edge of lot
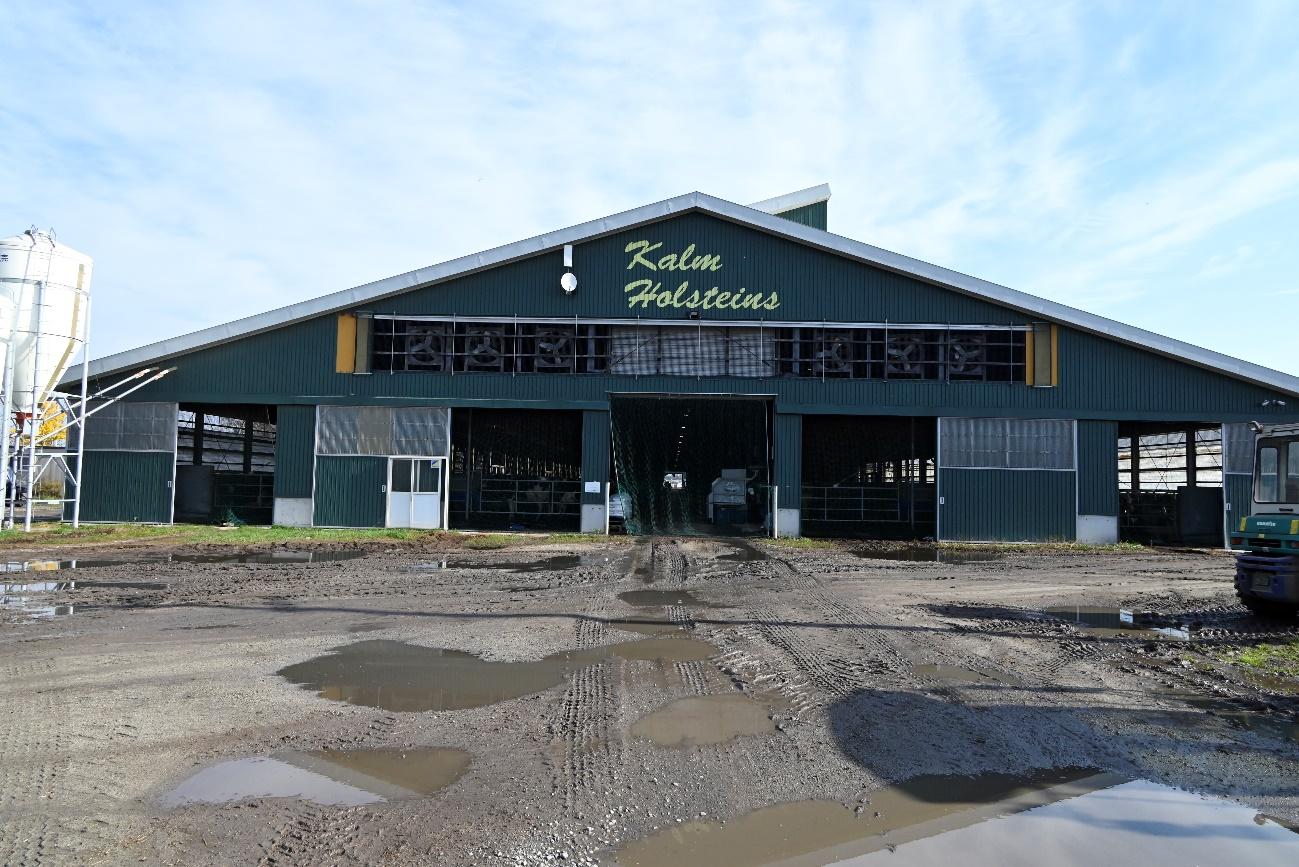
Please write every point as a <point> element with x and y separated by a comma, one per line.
<point>1046,547</point>
<point>53,535</point>
<point>1278,660</point>
<point>801,542</point>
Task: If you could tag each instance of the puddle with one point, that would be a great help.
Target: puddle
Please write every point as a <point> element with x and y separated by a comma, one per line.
<point>1238,717</point>
<point>269,557</point>
<point>396,676</point>
<point>798,829</point>
<point>1136,822</point>
<point>1114,622</point>
<point>79,584</point>
<point>265,557</point>
<point>37,587</point>
<point>744,553</point>
<point>704,719</point>
<point>33,607</point>
<point>669,649</point>
<point>646,626</point>
<point>953,673</point>
<point>546,564</point>
<point>657,598</point>
<point>328,777</point>
<point>928,555</point>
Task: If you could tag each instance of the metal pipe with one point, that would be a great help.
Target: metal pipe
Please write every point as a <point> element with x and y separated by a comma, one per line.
<point>157,376</point>
<point>144,371</point>
<point>81,436</point>
<point>10,471</point>
<point>35,415</point>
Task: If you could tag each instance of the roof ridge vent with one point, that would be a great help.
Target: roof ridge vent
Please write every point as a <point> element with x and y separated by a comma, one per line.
<point>797,199</point>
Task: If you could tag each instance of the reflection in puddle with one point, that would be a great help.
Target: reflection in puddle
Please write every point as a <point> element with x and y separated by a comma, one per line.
<point>1062,816</point>
<point>264,557</point>
<point>953,673</point>
<point>745,552</point>
<point>1116,622</point>
<point>657,598</point>
<point>928,554</point>
<point>329,777</point>
<point>704,719</point>
<point>397,676</point>
<point>800,828</point>
<point>1137,822</point>
<point>545,564</point>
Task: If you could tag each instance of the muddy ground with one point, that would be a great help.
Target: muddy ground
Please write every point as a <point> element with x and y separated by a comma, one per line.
<point>867,672</point>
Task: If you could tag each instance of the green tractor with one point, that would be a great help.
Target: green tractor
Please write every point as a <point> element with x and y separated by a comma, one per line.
<point>1267,567</point>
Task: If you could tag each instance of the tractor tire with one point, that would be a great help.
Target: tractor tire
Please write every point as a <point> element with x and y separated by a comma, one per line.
<point>1268,609</point>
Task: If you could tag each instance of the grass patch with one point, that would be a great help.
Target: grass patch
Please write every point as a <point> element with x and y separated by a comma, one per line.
<point>1280,660</point>
<point>800,543</point>
<point>52,535</point>
<point>586,539</point>
<point>1045,547</point>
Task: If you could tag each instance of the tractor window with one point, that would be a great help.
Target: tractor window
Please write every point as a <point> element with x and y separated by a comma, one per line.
<point>1277,479</point>
<point>1292,473</point>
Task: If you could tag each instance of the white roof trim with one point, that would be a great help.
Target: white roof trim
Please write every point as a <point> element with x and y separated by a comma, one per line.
<point>1030,304</point>
<point>797,199</point>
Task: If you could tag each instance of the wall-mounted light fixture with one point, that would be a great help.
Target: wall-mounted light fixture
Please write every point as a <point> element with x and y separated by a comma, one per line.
<point>569,281</point>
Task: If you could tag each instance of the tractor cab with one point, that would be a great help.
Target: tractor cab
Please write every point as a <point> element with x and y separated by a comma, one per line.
<point>1267,567</point>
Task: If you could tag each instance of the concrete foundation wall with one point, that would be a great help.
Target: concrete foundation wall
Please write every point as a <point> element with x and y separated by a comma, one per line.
<point>1098,529</point>
<point>292,512</point>
<point>593,519</point>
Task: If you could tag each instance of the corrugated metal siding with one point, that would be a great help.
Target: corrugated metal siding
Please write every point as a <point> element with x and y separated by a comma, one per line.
<point>126,486</point>
<point>1098,378</point>
<point>814,215</point>
<point>348,491</point>
<point>1007,505</point>
<point>787,440</point>
<point>595,453</point>
<point>1238,492</point>
<point>295,440</point>
<point>1098,468</point>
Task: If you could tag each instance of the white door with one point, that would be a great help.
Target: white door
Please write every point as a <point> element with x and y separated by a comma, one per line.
<point>415,493</point>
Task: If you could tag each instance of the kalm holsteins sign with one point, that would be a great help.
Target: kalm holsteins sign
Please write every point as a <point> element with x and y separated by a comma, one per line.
<point>647,292</point>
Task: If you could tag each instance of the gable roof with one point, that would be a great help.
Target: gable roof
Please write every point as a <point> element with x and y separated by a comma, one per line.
<point>759,216</point>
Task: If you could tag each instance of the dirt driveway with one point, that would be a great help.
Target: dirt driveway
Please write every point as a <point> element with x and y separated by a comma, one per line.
<point>550,704</point>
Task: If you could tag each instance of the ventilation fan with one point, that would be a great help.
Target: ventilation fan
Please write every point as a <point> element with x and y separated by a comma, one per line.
<point>904,355</point>
<point>833,355</point>
<point>553,351</point>
<point>966,356</point>
<point>426,347</point>
<point>484,349</point>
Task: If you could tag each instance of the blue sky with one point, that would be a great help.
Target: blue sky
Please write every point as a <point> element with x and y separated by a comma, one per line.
<point>1138,160</point>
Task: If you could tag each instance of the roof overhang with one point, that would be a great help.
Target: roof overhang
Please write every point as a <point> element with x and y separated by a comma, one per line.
<point>756,217</point>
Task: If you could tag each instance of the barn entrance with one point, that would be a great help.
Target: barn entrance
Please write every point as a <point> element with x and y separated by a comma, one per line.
<point>869,476</point>
<point>691,465</point>
<point>516,469</point>
<point>1171,480</point>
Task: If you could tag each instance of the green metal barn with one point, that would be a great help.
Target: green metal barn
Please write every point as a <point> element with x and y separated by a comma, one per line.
<point>690,366</point>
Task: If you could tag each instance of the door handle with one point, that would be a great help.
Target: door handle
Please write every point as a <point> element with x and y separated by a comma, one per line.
<point>383,489</point>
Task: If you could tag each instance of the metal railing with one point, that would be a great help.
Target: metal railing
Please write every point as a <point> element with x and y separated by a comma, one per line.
<point>529,497</point>
<point>899,504</point>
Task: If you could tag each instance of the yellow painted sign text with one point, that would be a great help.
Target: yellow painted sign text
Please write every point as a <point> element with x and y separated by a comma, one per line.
<point>646,292</point>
